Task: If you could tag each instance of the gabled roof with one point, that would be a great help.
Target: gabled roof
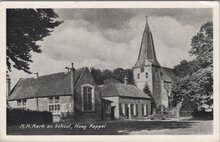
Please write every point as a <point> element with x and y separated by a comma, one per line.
<point>57,84</point>
<point>147,54</point>
<point>122,90</point>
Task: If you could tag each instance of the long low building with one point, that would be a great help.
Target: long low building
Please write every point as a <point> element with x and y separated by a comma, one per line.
<point>128,101</point>
<point>69,96</point>
<point>74,95</point>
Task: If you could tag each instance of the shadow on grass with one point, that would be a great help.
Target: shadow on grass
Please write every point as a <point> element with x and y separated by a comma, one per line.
<point>112,128</point>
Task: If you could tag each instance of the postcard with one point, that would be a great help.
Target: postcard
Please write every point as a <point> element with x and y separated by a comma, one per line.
<point>110,71</point>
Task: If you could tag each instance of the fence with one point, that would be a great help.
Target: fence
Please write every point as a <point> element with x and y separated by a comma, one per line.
<point>185,113</point>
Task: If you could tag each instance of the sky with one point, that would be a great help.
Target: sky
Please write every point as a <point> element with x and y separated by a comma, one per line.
<point>111,38</point>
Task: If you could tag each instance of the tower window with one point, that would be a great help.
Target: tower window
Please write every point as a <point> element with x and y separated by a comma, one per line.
<point>142,69</point>
<point>146,75</point>
<point>155,69</point>
<point>138,76</point>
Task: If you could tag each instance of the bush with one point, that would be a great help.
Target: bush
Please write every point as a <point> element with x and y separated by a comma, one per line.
<point>159,116</point>
<point>202,114</point>
<point>20,116</point>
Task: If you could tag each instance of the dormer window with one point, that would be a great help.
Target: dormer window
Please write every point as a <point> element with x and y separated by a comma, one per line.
<point>138,76</point>
<point>146,75</point>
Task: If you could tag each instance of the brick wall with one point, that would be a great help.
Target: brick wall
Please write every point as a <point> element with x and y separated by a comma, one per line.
<point>81,115</point>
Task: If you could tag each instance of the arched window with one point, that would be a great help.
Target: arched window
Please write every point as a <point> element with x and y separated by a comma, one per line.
<point>146,75</point>
<point>138,76</point>
<point>88,98</point>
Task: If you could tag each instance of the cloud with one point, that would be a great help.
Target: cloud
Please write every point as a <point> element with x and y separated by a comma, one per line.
<point>109,40</point>
<point>83,43</point>
<point>171,32</point>
<point>115,18</point>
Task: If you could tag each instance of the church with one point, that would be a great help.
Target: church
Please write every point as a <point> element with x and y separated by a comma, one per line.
<point>148,70</point>
<point>75,95</point>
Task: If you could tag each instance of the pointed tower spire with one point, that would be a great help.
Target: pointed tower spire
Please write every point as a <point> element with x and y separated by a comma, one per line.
<point>147,25</point>
<point>147,55</point>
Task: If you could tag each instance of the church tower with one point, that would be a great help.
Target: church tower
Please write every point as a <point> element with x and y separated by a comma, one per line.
<point>147,69</point>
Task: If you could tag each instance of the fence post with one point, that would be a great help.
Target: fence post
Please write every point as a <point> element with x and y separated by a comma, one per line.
<point>177,111</point>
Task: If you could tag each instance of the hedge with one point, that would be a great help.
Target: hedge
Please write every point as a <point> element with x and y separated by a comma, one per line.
<point>202,115</point>
<point>20,116</point>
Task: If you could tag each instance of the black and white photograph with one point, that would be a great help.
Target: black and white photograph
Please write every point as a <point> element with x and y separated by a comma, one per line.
<point>110,71</point>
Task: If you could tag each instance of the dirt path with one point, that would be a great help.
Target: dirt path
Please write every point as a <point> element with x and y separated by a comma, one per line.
<point>196,128</point>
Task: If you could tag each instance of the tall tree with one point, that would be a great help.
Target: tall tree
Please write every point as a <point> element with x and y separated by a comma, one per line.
<point>129,74</point>
<point>194,79</point>
<point>97,75</point>
<point>107,74</point>
<point>119,74</point>
<point>24,28</point>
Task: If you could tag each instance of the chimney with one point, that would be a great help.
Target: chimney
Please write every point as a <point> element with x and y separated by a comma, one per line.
<point>72,75</point>
<point>36,75</point>
<point>68,69</point>
<point>126,80</point>
<point>8,85</point>
<point>72,83</point>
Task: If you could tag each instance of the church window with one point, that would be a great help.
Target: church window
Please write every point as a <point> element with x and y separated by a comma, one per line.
<point>138,76</point>
<point>142,69</point>
<point>54,105</point>
<point>88,98</point>
<point>146,75</point>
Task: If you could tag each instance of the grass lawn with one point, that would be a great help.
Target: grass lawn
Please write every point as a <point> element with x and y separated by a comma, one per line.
<point>117,128</point>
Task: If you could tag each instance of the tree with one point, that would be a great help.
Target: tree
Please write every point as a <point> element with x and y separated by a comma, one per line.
<point>119,74</point>
<point>107,74</point>
<point>97,75</point>
<point>146,90</point>
<point>24,28</point>
<point>116,76</point>
<point>194,79</point>
<point>129,74</point>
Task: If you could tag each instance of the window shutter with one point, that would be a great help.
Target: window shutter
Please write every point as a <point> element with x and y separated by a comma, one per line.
<point>125,109</point>
<point>93,99</point>
<point>136,109</point>
<point>120,109</point>
<point>132,109</point>
<point>146,109</point>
